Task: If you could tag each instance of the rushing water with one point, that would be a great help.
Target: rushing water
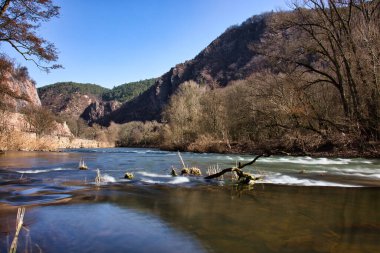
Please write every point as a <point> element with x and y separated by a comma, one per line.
<point>302,204</point>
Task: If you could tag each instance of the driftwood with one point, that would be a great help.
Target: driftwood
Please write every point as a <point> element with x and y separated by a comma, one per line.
<point>243,177</point>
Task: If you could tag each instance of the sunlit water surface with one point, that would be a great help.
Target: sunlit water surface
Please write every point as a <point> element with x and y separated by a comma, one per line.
<point>302,204</point>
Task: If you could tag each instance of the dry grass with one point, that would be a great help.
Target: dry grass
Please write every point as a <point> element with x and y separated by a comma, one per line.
<point>206,143</point>
<point>213,169</point>
<point>17,140</point>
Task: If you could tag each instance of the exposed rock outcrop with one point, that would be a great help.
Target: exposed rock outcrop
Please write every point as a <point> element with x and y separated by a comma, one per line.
<point>98,110</point>
<point>72,105</point>
<point>17,90</point>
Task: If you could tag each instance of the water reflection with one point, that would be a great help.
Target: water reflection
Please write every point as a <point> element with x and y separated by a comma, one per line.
<point>274,219</point>
<point>132,218</point>
<point>105,227</point>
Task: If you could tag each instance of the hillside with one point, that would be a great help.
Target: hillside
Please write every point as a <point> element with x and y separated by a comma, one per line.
<point>69,98</point>
<point>89,101</point>
<point>227,58</point>
<point>66,88</point>
<point>128,91</point>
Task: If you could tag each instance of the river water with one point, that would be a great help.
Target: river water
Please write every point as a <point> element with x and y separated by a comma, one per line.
<point>303,204</point>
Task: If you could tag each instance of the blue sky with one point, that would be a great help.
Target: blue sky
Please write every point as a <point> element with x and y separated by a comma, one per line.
<point>117,41</point>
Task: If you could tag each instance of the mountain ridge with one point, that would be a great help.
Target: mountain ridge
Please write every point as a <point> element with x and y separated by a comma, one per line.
<point>229,57</point>
<point>86,100</point>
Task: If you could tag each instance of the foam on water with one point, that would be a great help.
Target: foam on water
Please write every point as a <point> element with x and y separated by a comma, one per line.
<point>357,172</point>
<point>175,180</point>
<point>148,174</point>
<point>306,160</point>
<point>279,178</point>
<point>40,171</point>
<point>151,181</point>
<point>108,179</point>
<point>179,180</point>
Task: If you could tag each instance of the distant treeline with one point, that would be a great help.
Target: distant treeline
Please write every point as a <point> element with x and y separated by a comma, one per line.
<point>67,88</point>
<point>128,91</point>
<point>121,93</point>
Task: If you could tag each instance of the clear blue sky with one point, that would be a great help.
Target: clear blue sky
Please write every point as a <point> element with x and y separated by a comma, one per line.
<point>111,42</point>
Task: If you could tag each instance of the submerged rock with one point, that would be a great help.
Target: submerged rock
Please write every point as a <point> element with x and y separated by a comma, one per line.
<point>191,171</point>
<point>128,175</point>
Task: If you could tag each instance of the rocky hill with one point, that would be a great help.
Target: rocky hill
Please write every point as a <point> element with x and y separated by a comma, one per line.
<point>89,101</point>
<point>229,57</point>
<point>18,93</point>
<point>69,98</point>
<point>17,90</point>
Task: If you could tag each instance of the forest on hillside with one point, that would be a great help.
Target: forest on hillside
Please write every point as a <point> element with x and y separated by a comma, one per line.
<point>68,88</point>
<point>128,91</point>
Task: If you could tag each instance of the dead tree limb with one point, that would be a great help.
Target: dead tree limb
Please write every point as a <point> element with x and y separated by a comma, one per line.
<point>238,170</point>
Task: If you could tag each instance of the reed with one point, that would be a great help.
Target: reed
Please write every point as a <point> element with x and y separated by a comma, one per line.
<point>213,169</point>
<point>180,157</point>
<point>98,178</point>
<point>19,223</point>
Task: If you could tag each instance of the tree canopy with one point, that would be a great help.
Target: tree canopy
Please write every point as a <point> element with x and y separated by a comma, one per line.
<point>128,91</point>
<point>19,22</point>
<point>122,93</point>
<point>68,88</point>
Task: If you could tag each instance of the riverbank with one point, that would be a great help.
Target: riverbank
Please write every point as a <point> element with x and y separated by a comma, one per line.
<point>370,150</point>
<point>25,141</point>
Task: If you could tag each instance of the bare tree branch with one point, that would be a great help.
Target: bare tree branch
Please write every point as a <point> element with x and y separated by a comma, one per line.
<point>4,7</point>
<point>236,169</point>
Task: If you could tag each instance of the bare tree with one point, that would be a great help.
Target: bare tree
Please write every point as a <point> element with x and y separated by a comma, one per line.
<point>183,113</point>
<point>40,120</point>
<point>337,43</point>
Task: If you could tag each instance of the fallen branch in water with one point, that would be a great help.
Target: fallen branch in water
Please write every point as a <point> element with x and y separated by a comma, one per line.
<point>243,176</point>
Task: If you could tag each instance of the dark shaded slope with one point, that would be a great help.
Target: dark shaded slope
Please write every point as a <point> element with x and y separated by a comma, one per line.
<point>227,58</point>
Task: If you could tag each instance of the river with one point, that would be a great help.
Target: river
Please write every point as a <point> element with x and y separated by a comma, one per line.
<point>302,204</point>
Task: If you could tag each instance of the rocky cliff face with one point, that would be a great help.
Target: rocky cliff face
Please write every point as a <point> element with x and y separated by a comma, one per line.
<point>229,57</point>
<point>17,90</point>
<point>98,110</point>
<point>77,100</point>
<point>71,105</point>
